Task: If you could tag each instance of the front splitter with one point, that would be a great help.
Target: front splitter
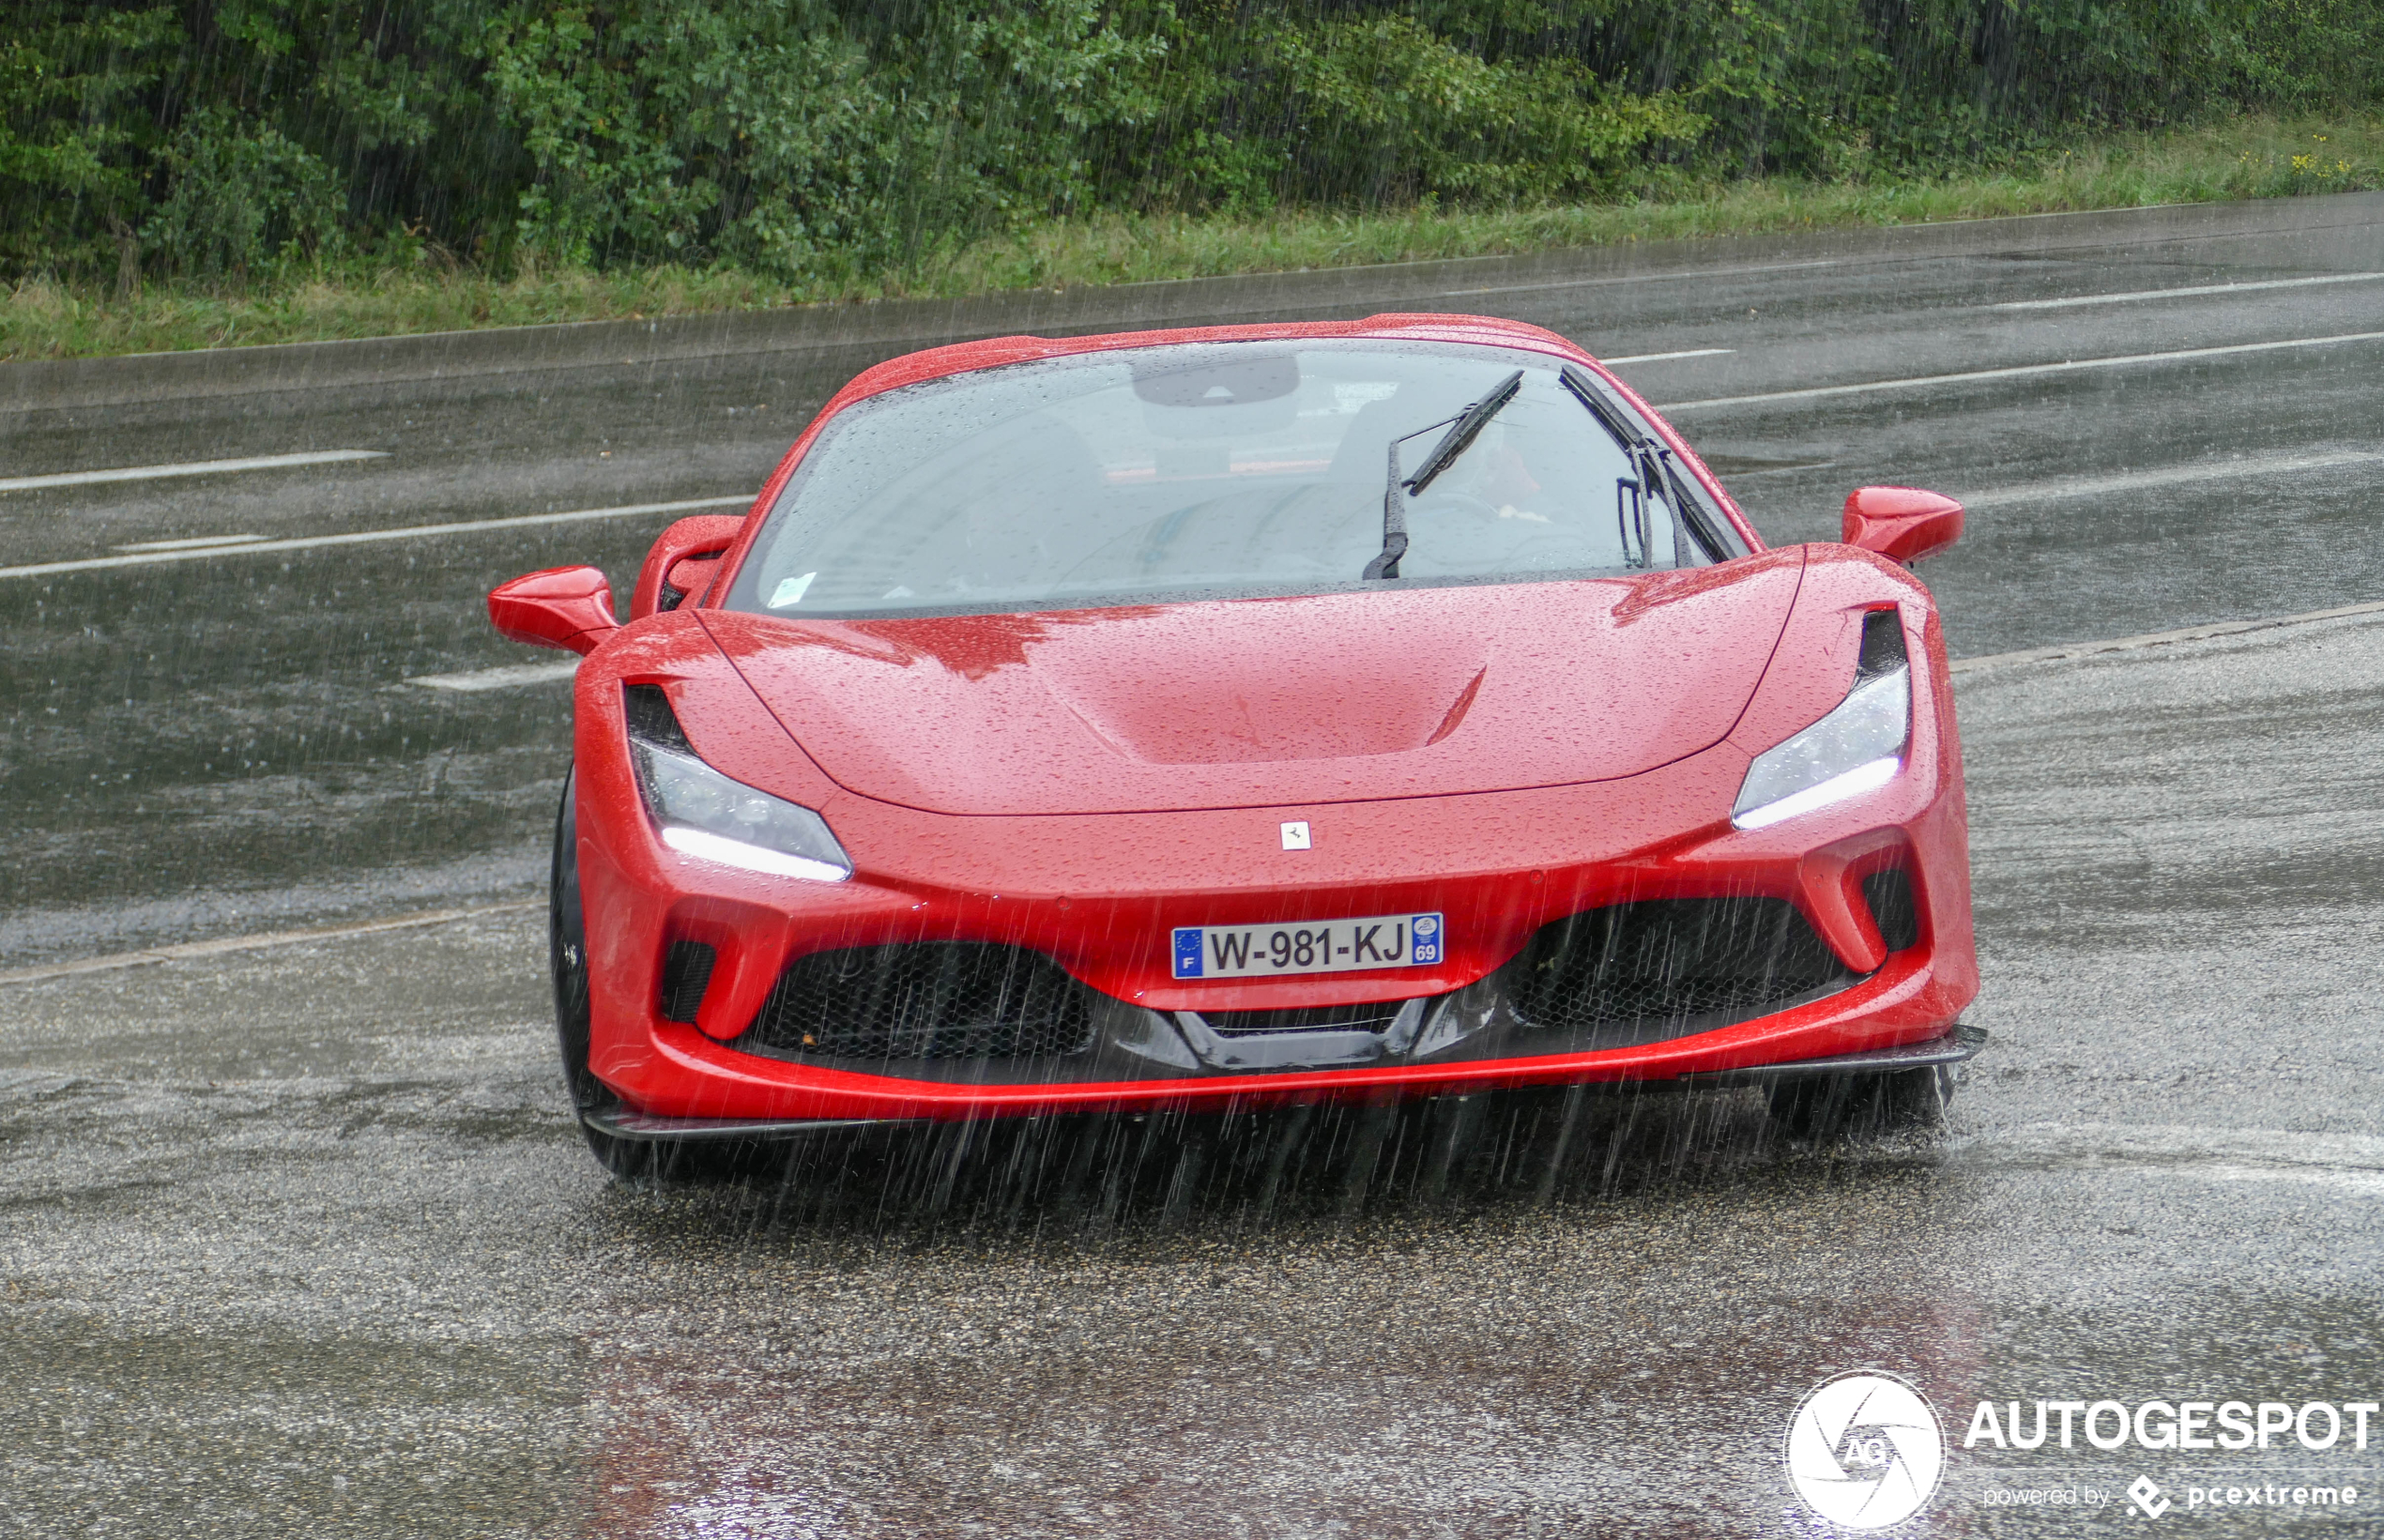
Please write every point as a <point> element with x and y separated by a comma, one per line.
<point>1960,1043</point>
<point>644,1128</point>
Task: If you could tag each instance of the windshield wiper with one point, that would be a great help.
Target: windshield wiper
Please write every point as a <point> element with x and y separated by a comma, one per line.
<point>1468,427</point>
<point>1652,462</point>
<point>1461,435</point>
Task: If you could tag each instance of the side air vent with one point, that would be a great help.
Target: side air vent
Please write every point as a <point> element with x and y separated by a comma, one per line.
<point>930,999</point>
<point>1883,649</point>
<point>650,718</point>
<point>1669,960</point>
<point>1889,895</point>
<point>686,973</point>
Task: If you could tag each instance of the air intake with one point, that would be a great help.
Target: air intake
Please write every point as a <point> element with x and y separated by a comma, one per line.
<point>932,999</point>
<point>1889,895</point>
<point>1318,1018</point>
<point>1669,960</point>
<point>686,973</point>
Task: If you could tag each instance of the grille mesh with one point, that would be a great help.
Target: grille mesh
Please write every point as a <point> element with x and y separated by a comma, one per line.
<point>934,999</point>
<point>1669,959</point>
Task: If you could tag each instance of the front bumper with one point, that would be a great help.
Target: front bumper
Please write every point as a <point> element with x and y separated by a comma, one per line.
<point>1105,917</point>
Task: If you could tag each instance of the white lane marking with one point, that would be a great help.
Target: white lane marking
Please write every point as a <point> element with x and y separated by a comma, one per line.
<point>194,543</point>
<point>2370,1182</point>
<point>252,943</point>
<point>193,467</point>
<point>2157,638</point>
<point>2222,1154</point>
<point>1654,357</point>
<point>2088,486</point>
<point>367,537</point>
<point>497,678</point>
<point>2196,291</point>
<point>1644,277</point>
<point>1917,382</point>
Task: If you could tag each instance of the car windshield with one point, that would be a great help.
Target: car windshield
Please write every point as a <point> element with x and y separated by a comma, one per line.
<point>1205,471</point>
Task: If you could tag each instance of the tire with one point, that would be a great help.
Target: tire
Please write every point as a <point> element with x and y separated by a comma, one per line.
<point>1827,1106</point>
<point>566,962</point>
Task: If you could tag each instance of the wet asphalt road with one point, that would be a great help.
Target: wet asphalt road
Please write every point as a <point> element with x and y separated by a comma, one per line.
<point>226,744</point>
<point>298,1241</point>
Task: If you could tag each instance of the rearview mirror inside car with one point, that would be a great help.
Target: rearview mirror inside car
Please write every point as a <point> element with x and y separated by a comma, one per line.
<point>1903,523</point>
<point>567,607</point>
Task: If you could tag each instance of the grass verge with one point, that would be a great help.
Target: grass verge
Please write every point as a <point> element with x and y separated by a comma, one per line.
<point>2241,157</point>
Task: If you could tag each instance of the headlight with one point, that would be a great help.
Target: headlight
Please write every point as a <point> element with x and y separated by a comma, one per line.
<point>704,813</point>
<point>1857,747</point>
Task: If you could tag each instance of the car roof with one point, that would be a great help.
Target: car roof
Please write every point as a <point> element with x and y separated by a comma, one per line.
<point>960,358</point>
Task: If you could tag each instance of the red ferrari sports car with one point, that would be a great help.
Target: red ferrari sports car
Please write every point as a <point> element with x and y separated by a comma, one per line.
<point>1211,718</point>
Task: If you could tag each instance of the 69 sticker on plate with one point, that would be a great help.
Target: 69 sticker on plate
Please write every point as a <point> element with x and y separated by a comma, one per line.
<point>1311,946</point>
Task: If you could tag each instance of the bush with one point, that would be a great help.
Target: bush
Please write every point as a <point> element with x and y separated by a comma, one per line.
<point>824,140</point>
<point>239,195</point>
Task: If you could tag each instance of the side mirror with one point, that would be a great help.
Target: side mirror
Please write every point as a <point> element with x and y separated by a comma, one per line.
<point>568,607</point>
<point>1903,523</point>
<point>682,562</point>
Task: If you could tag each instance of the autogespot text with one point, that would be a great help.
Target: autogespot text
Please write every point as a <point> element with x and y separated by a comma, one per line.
<point>2167,1424</point>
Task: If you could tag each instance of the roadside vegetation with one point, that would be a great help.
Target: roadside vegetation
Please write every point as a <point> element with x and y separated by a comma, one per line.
<point>224,171</point>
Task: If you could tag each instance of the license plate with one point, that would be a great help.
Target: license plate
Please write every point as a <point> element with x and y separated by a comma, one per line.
<point>1315,946</point>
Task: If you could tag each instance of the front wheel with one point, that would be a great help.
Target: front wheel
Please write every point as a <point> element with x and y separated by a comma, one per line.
<point>1824,1106</point>
<point>567,961</point>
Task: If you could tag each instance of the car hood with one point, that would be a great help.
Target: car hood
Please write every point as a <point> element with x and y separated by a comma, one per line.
<point>1246,703</point>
